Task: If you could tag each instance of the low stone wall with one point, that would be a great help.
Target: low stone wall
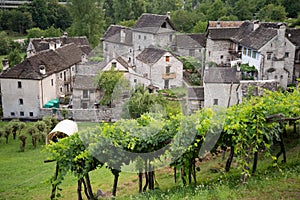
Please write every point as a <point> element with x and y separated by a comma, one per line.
<point>94,115</point>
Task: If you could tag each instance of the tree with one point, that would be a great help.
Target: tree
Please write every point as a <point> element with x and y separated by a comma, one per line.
<point>244,10</point>
<point>200,27</point>
<point>35,33</point>
<point>112,83</point>
<point>4,43</point>
<point>87,19</point>
<point>14,57</point>
<point>292,8</point>
<point>52,32</point>
<point>39,13</point>
<point>184,20</point>
<point>272,12</point>
<point>141,101</point>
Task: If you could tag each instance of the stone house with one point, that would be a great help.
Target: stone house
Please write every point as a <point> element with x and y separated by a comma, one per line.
<point>117,41</point>
<point>190,45</point>
<point>150,29</point>
<point>134,78</point>
<point>293,35</point>
<point>195,98</point>
<point>41,44</point>
<point>28,86</point>
<point>161,67</point>
<point>85,94</point>
<point>270,52</point>
<point>220,86</point>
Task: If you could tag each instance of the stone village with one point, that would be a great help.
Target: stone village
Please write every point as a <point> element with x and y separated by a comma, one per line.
<point>148,54</point>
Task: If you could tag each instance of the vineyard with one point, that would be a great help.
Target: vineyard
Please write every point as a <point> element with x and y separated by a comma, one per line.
<point>153,142</point>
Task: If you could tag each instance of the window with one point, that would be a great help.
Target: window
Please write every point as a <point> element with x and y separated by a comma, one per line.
<point>19,84</point>
<point>84,105</point>
<point>60,89</point>
<point>209,53</point>
<point>245,51</point>
<point>135,80</point>
<point>60,75</point>
<point>281,76</point>
<point>166,84</point>
<point>85,93</point>
<point>31,114</point>
<point>21,113</point>
<point>139,47</point>
<point>12,114</point>
<point>221,57</point>
<point>168,69</point>
<point>286,54</point>
<point>52,83</point>
<point>65,76</point>
<point>275,76</point>
<point>129,59</point>
<point>216,101</point>
<point>249,52</point>
<point>254,54</point>
<point>269,55</point>
<point>164,25</point>
<point>139,37</point>
<point>145,37</point>
<point>191,52</point>
<point>21,101</point>
<point>167,58</point>
<point>113,65</point>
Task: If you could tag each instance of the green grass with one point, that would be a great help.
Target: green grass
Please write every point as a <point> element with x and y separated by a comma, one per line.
<point>24,175</point>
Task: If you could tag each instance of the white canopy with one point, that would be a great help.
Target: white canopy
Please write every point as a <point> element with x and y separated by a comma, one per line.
<point>67,127</point>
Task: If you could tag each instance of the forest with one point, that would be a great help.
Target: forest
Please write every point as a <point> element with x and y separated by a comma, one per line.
<point>191,16</point>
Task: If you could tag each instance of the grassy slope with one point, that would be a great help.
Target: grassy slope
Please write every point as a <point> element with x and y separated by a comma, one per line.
<point>25,176</point>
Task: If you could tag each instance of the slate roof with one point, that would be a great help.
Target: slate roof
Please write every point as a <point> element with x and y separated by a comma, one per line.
<point>245,29</point>
<point>84,81</point>
<point>258,38</point>
<point>113,34</point>
<point>42,44</point>
<point>222,75</point>
<point>222,33</point>
<point>151,55</point>
<point>224,24</point>
<point>123,62</point>
<point>152,23</point>
<point>294,36</point>
<point>54,61</point>
<point>190,41</point>
<point>196,93</point>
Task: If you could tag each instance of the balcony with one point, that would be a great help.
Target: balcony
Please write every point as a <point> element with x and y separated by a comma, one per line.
<point>167,76</point>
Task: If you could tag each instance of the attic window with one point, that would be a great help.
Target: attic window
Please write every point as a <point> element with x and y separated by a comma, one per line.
<point>269,55</point>
<point>164,25</point>
<point>286,55</point>
<point>114,65</point>
<point>167,58</point>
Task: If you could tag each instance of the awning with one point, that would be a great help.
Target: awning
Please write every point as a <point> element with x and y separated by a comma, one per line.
<point>63,129</point>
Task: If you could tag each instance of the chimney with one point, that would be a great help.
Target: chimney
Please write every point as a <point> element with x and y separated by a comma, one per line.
<point>42,69</point>
<point>122,35</point>
<point>52,45</point>
<point>218,24</point>
<point>65,34</point>
<point>5,64</point>
<point>169,14</point>
<point>255,25</point>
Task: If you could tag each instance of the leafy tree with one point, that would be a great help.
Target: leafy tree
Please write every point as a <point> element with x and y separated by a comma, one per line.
<point>272,12</point>
<point>14,57</point>
<point>52,32</point>
<point>87,19</point>
<point>35,33</point>
<point>4,43</point>
<point>128,23</point>
<point>141,101</point>
<point>244,10</point>
<point>33,131</point>
<point>200,27</point>
<point>292,8</point>
<point>39,13</point>
<point>23,139</point>
<point>184,20</point>
<point>217,10</point>
<point>111,83</point>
